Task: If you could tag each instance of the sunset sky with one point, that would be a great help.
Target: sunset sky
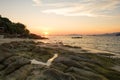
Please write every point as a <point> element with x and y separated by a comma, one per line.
<point>64,16</point>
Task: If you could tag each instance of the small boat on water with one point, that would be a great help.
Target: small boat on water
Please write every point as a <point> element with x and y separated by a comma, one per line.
<point>76,37</point>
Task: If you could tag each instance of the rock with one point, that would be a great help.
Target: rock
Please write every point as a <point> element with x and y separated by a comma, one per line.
<point>17,59</point>
<point>15,65</point>
<point>20,74</point>
<point>86,74</point>
<point>68,62</point>
<point>1,66</point>
<point>53,74</point>
<point>4,55</point>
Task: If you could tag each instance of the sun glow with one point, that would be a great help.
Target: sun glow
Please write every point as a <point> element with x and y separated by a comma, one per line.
<point>46,33</point>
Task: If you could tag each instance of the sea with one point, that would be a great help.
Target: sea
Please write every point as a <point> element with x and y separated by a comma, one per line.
<point>101,43</point>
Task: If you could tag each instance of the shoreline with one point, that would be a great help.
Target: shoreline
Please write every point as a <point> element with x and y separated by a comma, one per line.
<point>116,55</point>
<point>8,40</point>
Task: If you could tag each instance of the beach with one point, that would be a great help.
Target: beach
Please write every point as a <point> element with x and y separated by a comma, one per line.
<point>27,60</point>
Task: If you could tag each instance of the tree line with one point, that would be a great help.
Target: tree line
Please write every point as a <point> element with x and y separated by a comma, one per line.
<point>16,29</point>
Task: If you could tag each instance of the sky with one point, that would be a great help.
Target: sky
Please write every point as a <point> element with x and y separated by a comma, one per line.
<point>59,17</point>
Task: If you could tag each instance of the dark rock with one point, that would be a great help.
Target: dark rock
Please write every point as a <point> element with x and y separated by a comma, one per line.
<point>20,74</point>
<point>86,74</point>
<point>4,55</point>
<point>1,66</point>
<point>53,74</point>
<point>15,65</point>
<point>68,62</point>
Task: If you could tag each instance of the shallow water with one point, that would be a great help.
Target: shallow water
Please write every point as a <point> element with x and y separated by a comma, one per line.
<point>103,43</point>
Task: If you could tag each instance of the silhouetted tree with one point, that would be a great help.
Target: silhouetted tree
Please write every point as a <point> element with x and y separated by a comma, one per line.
<point>11,28</point>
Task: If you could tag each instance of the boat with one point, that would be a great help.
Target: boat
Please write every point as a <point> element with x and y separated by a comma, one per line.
<point>76,37</point>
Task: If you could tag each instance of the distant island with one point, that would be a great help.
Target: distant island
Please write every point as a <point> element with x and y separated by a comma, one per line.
<point>9,29</point>
<point>108,34</point>
<point>104,34</point>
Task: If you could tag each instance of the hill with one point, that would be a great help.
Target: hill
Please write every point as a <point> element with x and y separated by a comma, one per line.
<point>108,34</point>
<point>12,30</point>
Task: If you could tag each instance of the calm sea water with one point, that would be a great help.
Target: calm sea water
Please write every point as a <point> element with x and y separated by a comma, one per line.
<point>103,43</point>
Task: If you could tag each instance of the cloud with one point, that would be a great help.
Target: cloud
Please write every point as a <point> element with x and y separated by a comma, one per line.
<point>68,11</point>
<point>90,8</point>
<point>37,2</point>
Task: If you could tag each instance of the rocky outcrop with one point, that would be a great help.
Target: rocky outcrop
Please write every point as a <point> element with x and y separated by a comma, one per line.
<point>15,63</point>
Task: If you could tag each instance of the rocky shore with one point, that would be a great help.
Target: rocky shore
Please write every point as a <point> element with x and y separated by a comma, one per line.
<point>72,63</point>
